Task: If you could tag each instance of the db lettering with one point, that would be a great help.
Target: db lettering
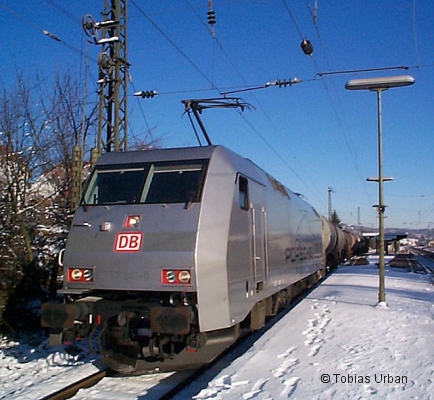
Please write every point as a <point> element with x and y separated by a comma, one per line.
<point>128,241</point>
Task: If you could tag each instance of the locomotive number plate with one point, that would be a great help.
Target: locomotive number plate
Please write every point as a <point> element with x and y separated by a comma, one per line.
<point>128,241</point>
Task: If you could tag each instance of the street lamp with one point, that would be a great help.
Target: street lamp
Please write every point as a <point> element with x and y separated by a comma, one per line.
<point>379,85</point>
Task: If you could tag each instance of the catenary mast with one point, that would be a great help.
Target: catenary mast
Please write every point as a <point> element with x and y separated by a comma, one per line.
<point>113,73</point>
<point>112,134</point>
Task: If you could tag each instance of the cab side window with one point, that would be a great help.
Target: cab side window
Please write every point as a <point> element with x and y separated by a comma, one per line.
<point>243,193</point>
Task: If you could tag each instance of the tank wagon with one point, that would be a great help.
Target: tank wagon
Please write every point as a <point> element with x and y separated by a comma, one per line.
<point>173,252</point>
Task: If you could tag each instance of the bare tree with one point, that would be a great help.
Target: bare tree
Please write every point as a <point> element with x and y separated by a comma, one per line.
<point>67,126</point>
<point>40,123</point>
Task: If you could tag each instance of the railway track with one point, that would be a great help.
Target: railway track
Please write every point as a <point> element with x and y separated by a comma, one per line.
<point>70,390</point>
<point>111,385</point>
<point>408,262</point>
<point>160,386</point>
<point>425,258</point>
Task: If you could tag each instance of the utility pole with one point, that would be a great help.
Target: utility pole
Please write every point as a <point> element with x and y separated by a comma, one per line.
<point>111,34</point>
<point>113,65</point>
<point>330,190</point>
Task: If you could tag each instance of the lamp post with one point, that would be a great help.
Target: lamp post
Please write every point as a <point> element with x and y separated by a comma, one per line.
<point>379,85</point>
<point>381,240</point>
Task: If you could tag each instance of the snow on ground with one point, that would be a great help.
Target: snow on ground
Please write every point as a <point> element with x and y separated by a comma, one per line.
<point>33,372</point>
<point>337,343</point>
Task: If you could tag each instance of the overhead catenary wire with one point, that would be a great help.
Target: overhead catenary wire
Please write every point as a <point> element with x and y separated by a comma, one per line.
<point>313,59</point>
<point>317,18</point>
<point>161,31</point>
<point>42,30</point>
<point>354,71</point>
<point>86,56</point>
<point>343,127</point>
<point>260,106</point>
<point>223,52</point>
<point>64,11</point>
<point>183,54</point>
<point>367,70</point>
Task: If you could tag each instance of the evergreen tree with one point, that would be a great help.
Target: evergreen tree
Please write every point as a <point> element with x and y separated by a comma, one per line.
<point>335,219</point>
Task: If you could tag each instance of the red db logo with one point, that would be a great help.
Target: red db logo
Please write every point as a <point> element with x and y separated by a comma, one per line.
<point>128,241</point>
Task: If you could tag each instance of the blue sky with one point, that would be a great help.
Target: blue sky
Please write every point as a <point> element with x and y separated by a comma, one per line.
<point>310,136</point>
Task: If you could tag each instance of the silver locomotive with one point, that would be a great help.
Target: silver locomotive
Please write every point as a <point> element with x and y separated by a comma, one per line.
<point>173,252</point>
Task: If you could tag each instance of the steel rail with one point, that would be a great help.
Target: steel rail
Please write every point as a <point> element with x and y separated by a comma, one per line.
<point>72,389</point>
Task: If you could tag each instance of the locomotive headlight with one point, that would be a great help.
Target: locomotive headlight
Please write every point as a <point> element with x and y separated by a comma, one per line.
<point>80,275</point>
<point>171,276</point>
<point>76,274</point>
<point>175,277</point>
<point>184,276</point>
<point>88,275</point>
<point>132,221</point>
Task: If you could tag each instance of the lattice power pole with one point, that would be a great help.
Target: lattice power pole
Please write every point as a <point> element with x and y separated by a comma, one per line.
<point>111,34</point>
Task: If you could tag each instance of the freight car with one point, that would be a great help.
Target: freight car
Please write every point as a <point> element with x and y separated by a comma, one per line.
<point>173,252</point>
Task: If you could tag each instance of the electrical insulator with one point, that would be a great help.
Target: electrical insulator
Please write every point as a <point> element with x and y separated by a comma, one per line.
<point>146,94</point>
<point>307,47</point>
<point>211,17</point>
<point>285,82</point>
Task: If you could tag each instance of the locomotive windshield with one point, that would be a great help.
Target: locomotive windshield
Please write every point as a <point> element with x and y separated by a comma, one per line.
<point>151,183</point>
